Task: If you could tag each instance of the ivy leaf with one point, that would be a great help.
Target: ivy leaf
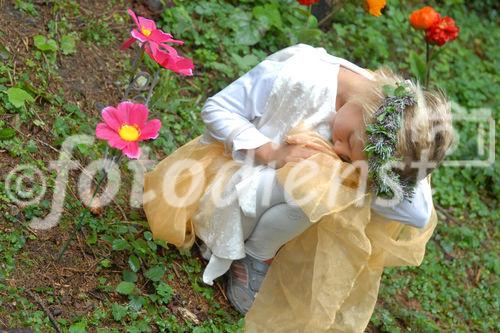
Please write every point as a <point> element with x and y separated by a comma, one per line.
<point>68,45</point>
<point>18,97</point>
<point>125,288</point>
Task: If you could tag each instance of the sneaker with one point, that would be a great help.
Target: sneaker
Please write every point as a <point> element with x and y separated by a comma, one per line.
<point>243,282</point>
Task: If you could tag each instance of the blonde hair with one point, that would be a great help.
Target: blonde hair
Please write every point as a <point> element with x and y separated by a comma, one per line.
<point>426,130</point>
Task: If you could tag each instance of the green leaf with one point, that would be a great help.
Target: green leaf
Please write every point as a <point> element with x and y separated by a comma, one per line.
<point>136,302</point>
<point>44,44</point>
<point>68,44</point>
<point>129,276</point>
<point>245,62</point>
<point>165,291</point>
<point>400,92</point>
<point>118,311</point>
<point>125,288</point>
<point>388,90</point>
<point>309,36</point>
<point>155,273</point>
<point>312,22</point>
<point>105,263</point>
<point>120,244</point>
<point>140,246</point>
<point>417,66</point>
<point>18,97</point>
<point>80,327</point>
<point>268,15</point>
<point>134,263</point>
<point>148,235</point>
<point>7,133</point>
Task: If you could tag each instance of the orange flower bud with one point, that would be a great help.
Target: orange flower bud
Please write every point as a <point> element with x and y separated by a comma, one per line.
<point>424,18</point>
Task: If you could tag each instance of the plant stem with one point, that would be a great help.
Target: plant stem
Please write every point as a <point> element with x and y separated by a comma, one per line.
<point>152,85</point>
<point>135,65</point>
<point>427,63</point>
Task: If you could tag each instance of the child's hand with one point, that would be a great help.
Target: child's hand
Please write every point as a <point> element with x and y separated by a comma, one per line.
<point>278,156</point>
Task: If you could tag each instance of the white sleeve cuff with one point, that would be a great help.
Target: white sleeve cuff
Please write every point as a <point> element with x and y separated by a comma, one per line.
<point>415,213</point>
<point>248,138</point>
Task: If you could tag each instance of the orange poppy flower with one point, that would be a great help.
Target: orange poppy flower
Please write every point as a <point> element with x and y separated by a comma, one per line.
<point>375,6</point>
<point>424,18</point>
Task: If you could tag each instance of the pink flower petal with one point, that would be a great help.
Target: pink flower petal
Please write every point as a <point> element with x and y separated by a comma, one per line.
<point>138,35</point>
<point>117,143</point>
<point>124,109</point>
<point>159,36</point>
<point>132,150</point>
<point>148,24</point>
<point>134,17</point>
<point>170,60</point>
<point>166,49</point>
<point>127,43</point>
<point>151,130</point>
<point>104,132</point>
<point>112,117</point>
<point>138,115</point>
<point>184,66</point>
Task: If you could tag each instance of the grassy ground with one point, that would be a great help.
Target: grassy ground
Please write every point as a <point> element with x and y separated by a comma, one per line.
<point>114,277</point>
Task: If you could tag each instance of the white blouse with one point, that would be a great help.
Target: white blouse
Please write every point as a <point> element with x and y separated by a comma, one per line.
<point>230,117</point>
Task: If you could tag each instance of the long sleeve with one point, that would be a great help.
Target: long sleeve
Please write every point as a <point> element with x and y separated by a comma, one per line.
<point>416,213</point>
<point>228,115</point>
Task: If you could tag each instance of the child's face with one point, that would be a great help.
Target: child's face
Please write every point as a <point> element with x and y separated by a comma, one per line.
<point>347,128</point>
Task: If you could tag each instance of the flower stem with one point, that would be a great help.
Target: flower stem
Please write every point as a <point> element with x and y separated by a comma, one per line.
<point>135,65</point>
<point>427,64</point>
<point>152,85</point>
<point>309,12</point>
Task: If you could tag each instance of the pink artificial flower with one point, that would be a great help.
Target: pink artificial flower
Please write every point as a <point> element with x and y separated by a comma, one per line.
<point>170,59</point>
<point>155,45</point>
<point>147,32</point>
<point>127,125</point>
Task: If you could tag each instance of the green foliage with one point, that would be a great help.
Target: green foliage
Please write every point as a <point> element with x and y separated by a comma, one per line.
<point>45,44</point>
<point>68,44</point>
<point>18,97</point>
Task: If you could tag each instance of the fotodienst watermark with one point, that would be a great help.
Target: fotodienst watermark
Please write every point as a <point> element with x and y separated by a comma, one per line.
<point>27,184</point>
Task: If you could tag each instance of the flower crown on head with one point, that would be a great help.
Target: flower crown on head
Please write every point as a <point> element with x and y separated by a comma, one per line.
<point>382,141</point>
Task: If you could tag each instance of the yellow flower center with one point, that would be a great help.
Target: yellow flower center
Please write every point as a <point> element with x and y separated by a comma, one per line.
<point>146,32</point>
<point>129,132</point>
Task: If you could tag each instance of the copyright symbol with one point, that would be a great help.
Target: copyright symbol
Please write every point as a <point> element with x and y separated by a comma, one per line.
<point>25,185</point>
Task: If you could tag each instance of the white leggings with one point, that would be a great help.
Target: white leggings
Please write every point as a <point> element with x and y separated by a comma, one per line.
<point>278,219</point>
